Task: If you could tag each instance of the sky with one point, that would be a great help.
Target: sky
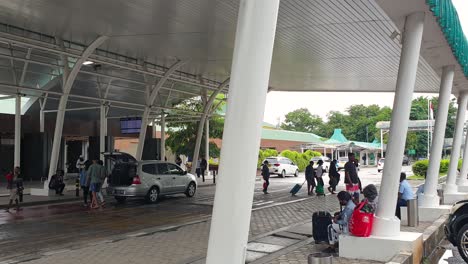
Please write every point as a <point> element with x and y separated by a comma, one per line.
<point>280,103</point>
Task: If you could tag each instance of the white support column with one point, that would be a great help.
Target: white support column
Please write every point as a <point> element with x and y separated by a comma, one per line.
<point>207,142</point>
<point>17,154</point>
<point>250,73</point>
<point>451,187</point>
<point>430,198</point>
<point>386,224</point>
<point>102,131</point>
<point>42,104</point>
<point>154,92</point>
<point>463,180</point>
<point>68,80</point>
<point>381,144</point>
<point>163,136</point>
<point>201,124</point>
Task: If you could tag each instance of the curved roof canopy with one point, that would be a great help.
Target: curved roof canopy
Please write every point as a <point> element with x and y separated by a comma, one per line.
<point>320,45</point>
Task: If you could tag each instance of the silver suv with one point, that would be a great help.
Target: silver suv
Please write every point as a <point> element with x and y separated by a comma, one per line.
<point>148,179</point>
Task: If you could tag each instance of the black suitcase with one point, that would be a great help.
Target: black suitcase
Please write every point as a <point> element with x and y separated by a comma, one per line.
<point>320,222</point>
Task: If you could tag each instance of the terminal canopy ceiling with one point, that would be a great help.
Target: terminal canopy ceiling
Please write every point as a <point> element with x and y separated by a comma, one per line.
<point>321,45</point>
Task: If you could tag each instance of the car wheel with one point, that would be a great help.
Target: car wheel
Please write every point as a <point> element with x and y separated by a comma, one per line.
<point>462,242</point>
<point>191,189</point>
<point>153,195</point>
<point>283,174</point>
<point>379,170</point>
<point>120,199</point>
<point>296,174</point>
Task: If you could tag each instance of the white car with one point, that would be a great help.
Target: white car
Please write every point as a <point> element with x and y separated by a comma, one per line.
<point>326,162</point>
<point>282,166</point>
<point>380,164</point>
<point>342,162</point>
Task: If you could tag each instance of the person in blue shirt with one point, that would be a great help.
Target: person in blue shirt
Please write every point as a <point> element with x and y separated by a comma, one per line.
<point>340,221</point>
<point>405,194</point>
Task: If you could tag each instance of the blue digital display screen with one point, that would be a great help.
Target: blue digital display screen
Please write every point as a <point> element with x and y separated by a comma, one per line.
<point>130,125</point>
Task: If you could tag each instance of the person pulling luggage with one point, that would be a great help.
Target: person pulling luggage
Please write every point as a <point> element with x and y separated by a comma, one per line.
<point>266,176</point>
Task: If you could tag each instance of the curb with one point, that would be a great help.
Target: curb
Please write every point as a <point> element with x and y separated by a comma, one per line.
<point>431,239</point>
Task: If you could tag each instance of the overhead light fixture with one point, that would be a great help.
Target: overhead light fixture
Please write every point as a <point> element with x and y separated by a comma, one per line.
<point>88,62</point>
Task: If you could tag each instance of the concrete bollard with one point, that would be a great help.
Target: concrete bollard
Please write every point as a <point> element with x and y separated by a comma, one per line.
<point>319,258</point>
<point>413,214</point>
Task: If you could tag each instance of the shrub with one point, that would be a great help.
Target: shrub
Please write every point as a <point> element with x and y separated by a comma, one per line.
<point>420,167</point>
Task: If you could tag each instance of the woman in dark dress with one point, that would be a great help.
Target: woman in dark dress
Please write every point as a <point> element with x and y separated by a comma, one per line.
<point>334,177</point>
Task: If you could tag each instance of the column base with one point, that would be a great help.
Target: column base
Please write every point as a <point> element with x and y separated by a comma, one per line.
<point>370,248</point>
<point>39,192</point>
<point>386,227</point>
<point>463,188</point>
<point>427,214</point>
<point>428,200</point>
<point>451,198</point>
<point>450,188</point>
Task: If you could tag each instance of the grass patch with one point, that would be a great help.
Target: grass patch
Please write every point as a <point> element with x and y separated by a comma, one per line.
<point>419,177</point>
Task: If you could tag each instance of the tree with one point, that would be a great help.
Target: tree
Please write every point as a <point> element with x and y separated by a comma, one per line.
<point>182,135</point>
<point>303,121</point>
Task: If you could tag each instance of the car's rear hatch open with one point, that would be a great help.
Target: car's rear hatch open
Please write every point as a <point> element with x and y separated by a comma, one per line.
<point>123,168</point>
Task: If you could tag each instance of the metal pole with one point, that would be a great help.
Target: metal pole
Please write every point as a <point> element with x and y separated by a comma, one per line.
<point>430,198</point>
<point>163,137</point>
<point>18,131</point>
<point>250,73</point>
<point>381,143</point>
<point>451,186</point>
<point>428,126</point>
<point>207,144</point>
<point>385,223</point>
<point>102,131</point>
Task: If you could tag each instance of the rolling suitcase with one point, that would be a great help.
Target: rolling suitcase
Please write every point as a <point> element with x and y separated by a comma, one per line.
<point>296,188</point>
<point>320,222</point>
<point>319,190</point>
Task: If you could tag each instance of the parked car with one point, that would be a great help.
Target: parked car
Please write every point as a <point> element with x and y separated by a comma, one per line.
<point>342,162</point>
<point>282,166</point>
<point>146,179</point>
<point>456,229</point>
<point>326,162</point>
<point>406,161</point>
<point>380,164</point>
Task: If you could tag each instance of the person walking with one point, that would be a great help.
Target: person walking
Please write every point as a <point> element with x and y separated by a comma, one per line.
<point>103,176</point>
<point>85,182</point>
<point>334,177</point>
<point>198,169</point>
<point>319,175</point>
<point>178,161</point>
<point>310,178</point>
<point>95,184</point>
<point>266,176</point>
<point>14,188</point>
<point>351,177</point>
<point>203,167</point>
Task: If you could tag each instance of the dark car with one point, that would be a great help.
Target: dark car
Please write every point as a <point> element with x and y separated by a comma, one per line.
<point>456,230</point>
<point>406,161</point>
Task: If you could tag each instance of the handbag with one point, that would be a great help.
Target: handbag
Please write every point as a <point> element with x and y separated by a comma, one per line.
<point>361,222</point>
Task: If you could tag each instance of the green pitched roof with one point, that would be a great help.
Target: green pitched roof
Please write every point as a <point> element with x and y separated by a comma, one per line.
<point>289,136</point>
<point>337,137</point>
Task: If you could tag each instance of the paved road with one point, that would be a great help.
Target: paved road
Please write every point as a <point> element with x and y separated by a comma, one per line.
<point>43,229</point>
